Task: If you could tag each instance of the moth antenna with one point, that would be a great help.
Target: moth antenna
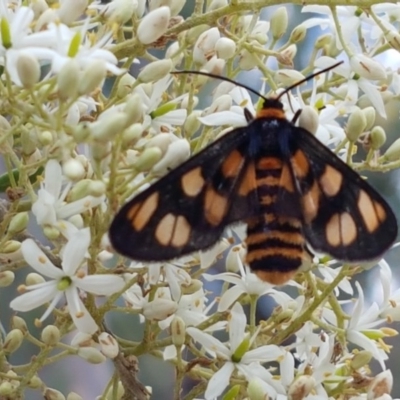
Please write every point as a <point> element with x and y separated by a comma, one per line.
<point>244,86</point>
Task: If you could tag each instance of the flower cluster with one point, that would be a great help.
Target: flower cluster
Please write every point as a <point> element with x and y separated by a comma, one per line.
<point>91,114</point>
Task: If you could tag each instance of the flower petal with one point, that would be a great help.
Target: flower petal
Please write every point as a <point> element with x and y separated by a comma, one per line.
<point>35,298</point>
<point>219,381</point>
<point>100,284</point>
<point>75,250</point>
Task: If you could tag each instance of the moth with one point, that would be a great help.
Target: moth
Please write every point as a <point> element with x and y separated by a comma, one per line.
<point>291,191</point>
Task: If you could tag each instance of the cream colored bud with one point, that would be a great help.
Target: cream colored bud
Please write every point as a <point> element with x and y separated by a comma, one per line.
<point>68,79</point>
<point>192,123</point>
<point>159,309</point>
<point>355,125</point>
<point>288,76</point>
<point>45,19</point>
<point>28,69</point>
<point>109,346</point>
<point>92,355</point>
<point>6,278</point>
<point>75,396</point>
<point>222,103</point>
<point>309,119</point>
<point>286,56</point>
<point>204,47</point>
<point>134,109</point>
<point>149,157</point>
<point>382,384</point>
<point>50,335</point>
<point>377,137</point>
<point>7,389</point>
<point>18,223</point>
<point>71,10</point>
<point>45,138</point>
<point>323,40</point>
<point>132,134</point>
<point>301,387</point>
<point>234,258</point>
<point>247,60</point>
<point>51,233</point>
<point>214,65</point>
<point>82,340</point>
<point>174,5</point>
<point>80,190</point>
<point>125,85</point>
<point>38,7</point>
<point>53,394</point>
<point>194,33</point>
<point>81,132</point>
<point>155,71</point>
<point>106,129</point>
<point>393,39</point>
<point>10,246</point>
<point>13,341</point>
<point>393,152</point>
<point>120,11</point>
<point>370,115</point>
<point>92,77</point>
<point>255,390</point>
<point>19,323</point>
<point>153,25</point>
<point>361,359</point>
<point>192,287</point>
<point>279,23</point>
<point>178,331</point>
<point>177,152</point>
<point>27,142</point>
<point>367,67</point>
<point>174,54</point>
<point>35,382</point>
<point>97,188</point>
<point>298,34</point>
<point>73,170</point>
<point>34,279</point>
<point>225,48</point>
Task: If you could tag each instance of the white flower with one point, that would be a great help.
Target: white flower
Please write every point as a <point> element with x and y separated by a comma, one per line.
<point>235,354</point>
<point>51,209</point>
<point>67,281</point>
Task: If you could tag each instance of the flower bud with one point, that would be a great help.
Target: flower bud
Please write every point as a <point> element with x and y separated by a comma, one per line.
<point>35,382</point>
<point>109,346</point>
<point>255,390</point>
<point>149,157</point>
<point>125,85</point>
<point>286,56</point>
<point>51,233</point>
<point>91,354</point>
<point>52,394</point>
<point>204,47</point>
<point>10,246</point>
<point>234,258</point>
<point>377,137</point>
<point>279,23</point>
<point>39,7</point>
<point>27,142</point>
<point>174,54</point>
<point>81,132</point>
<point>13,341</point>
<point>214,65</point>
<point>355,125</point>
<point>68,79</point>
<point>177,152</point>
<point>298,34</point>
<point>370,115</point>
<point>323,40</point>
<point>50,335</point>
<point>34,279</point>
<point>28,69</point>
<point>288,76</point>
<point>45,138</point>
<point>106,129</point>
<point>153,25</point>
<point>192,123</point>
<point>367,67</point>
<point>132,134</point>
<point>75,396</point>
<point>192,287</point>
<point>18,222</point>
<point>7,389</point>
<point>71,10</point>
<point>6,278</point>
<point>309,119</point>
<point>134,109</point>
<point>361,359</point>
<point>73,170</point>
<point>393,39</point>
<point>19,323</point>
<point>225,48</point>
<point>155,71</point>
<point>247,60</point>
<point>393,152</point>
<point>92,77</point>
<point>301,387</point>
<point>178,331</point>
<point>159,309</point>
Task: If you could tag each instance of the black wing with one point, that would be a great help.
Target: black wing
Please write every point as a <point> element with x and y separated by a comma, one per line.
<point>342,214</point>
<point>188,209</point>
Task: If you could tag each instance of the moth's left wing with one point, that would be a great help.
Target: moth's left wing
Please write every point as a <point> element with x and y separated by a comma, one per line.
<point>342,214</point>
<point>188,209</point>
